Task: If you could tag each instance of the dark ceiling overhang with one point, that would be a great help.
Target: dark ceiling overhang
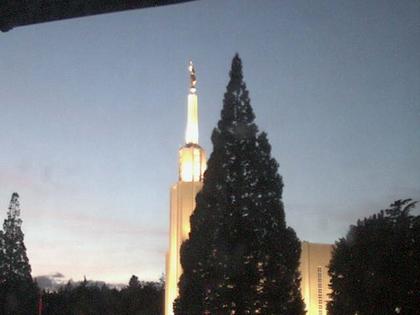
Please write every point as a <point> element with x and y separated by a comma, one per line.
<point>15,13</point>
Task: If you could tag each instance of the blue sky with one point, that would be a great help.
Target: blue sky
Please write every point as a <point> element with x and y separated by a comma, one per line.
<point>93,111</point>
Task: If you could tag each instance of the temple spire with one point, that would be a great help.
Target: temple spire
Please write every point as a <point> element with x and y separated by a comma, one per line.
<point>191,134</point>
<point>193,79</point>
<point>191,166</point>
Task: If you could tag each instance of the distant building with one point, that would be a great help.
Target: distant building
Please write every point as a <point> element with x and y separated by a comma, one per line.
<point>314,262</point>
<point>192,164</point>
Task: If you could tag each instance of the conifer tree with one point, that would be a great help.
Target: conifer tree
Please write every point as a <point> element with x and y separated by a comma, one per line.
<point>14,264</point>
<point>18,292</point>
<point>375,269</point>
<point>240,258</point>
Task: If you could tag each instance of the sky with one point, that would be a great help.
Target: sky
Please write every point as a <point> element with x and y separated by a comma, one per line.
<point>93,112</point>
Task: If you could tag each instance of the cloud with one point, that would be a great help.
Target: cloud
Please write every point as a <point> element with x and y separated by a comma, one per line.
<point>50,282</point>
<point>57,275</point>
<point>99,225</point>
<point>46,282</point>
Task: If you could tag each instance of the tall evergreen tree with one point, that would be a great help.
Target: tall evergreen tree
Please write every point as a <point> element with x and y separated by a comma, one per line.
<point>375,269</point>
<point>240,258</point>
<point>18,292</point>
<point>14,264</point>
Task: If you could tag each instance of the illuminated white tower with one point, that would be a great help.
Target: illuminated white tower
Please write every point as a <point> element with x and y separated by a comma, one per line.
<point>192,164</point>
<point>314,261</point>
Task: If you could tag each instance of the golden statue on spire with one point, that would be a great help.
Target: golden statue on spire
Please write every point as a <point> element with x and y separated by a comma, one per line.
<point>193,79</point>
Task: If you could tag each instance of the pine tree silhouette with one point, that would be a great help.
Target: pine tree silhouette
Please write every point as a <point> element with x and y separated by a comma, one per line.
<point>240,258</point>
<point>18,292</point>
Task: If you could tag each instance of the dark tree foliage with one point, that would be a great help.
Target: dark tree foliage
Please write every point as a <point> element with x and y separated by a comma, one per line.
<point>87,298</point>
<point>18,292</point>
<point>240,258</point>
<point>142,298</point>
<point>375,269</point>
<point>134,282</point>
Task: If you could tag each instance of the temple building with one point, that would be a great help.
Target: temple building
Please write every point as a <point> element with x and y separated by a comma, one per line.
<point>314,286</point>
<point>192,164</point>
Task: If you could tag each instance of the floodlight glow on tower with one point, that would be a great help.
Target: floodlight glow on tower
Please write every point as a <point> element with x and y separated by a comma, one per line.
<point>191,134</point>
<point>192,164</point>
